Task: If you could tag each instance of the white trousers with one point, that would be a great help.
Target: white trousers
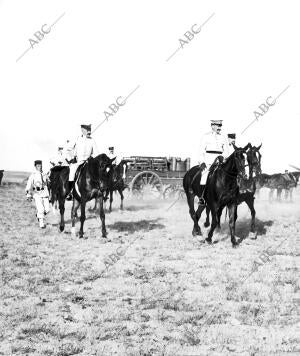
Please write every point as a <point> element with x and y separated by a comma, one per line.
<point>73,169</point>
<point>42,205</point>
<point>209,160</point>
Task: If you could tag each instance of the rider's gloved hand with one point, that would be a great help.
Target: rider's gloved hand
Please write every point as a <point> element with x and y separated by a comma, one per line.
<point>221,159</point>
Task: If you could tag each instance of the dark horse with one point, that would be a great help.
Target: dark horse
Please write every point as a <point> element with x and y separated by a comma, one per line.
<point>115,183</point>
<point>91,182</point>
<point>221,190</point>
<point>247,187</point>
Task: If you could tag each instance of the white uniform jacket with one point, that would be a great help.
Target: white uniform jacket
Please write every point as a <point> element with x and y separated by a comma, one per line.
<point>212,145</point>
<point>84,148</point>
<point>37,184</point>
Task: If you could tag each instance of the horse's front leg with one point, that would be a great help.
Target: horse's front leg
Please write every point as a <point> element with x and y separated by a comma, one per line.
<point>82,219</point>
<point>62,213</point>
<point>74,215</point>
<point>110,200</point>
<point>214,223</point>
<point>102,217</point>
<point>250,202</point>
<point>207,223</point>
<point>232,211</point>
<point>122,198</point>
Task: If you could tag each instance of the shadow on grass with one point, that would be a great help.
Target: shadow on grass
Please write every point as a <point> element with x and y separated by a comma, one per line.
<point>134,226</point>
<point>242,228</point>
<point>126,208</point>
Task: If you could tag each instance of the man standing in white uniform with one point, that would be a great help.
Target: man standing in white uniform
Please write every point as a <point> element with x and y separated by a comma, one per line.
<point>84,148</point>
<point>36,188</point>
<point>213,144</point>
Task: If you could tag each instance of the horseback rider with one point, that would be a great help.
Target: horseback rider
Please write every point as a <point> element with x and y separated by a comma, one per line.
<point>212,145</point>
<point>84,148</point>
<point>59,159</point>
<point>36,188</point>
<point>231,142</point>
<point>111,154</point>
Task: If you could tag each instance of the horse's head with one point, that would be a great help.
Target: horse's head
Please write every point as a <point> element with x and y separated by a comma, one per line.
<point>254,160</point>
<point>104,168</point>
<point>239,156</point>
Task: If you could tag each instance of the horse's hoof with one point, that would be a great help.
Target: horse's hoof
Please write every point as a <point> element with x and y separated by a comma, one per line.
<point>209,241</point>
<point>253,235</point>
<point>61,228</point>
<point>194,233</point>
<point>206,224</point>
<point>234,244</point>
<point>85,237</point>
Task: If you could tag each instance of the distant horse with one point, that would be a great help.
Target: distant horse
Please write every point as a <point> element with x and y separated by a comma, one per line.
<point>294,179</point>
<point>247,187</point>
<point>1,175</point>
<point>279,182</point>
<point>274,182</point>
<point>115,183</point>
<point>91,182</point>
<point>221,190</point>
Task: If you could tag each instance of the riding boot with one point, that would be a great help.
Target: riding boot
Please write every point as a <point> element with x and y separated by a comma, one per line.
<point>70,188</point>
<point>201,199</point>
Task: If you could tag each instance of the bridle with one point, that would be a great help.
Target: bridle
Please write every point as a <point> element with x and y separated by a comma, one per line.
<point>240,173</point>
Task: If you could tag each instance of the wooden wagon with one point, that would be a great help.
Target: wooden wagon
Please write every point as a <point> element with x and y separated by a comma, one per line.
<point>156,177</point>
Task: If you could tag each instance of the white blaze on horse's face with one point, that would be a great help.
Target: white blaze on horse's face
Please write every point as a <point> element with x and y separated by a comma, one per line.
<point>107,169</point>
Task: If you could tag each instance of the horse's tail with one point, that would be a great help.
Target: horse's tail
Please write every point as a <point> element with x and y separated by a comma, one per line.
<point>58,176</point>
<point>191,181</point>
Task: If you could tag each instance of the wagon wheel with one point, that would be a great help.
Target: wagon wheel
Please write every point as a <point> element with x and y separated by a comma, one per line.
<point>147,185</point>
<point>174,192</point>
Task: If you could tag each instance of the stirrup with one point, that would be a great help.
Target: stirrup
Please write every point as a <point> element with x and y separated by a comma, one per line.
<point>69,197</point>
<point>201,201</point>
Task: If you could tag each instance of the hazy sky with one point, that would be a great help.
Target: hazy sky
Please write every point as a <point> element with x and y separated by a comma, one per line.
<point>101,50</point>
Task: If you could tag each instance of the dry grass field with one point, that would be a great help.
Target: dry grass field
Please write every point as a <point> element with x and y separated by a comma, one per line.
<point>150,288</point>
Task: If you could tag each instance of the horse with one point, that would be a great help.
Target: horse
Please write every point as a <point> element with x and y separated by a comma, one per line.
<point>272,181</point>
<point>59,190</point>
<point>59,177</point>
<point>247,187</point>
<point>91,181</point>
<point>221,190</point>
<point>116,183</point>
<point>279,182</point>
<point>1,175</point>
<point>293,182</point>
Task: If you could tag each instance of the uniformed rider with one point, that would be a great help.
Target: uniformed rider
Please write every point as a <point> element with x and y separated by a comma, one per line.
<point>59,159</point>
<point>212,145</point>
<point>231,142</point>
<point>112,154</point>
<point>84,148</point>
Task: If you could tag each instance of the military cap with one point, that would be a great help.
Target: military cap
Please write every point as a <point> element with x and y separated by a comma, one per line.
<point>232,135</point>
<point>111,148</point>
<point>38,161</point>
<point>216,122</point>
<point>87,127</point>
